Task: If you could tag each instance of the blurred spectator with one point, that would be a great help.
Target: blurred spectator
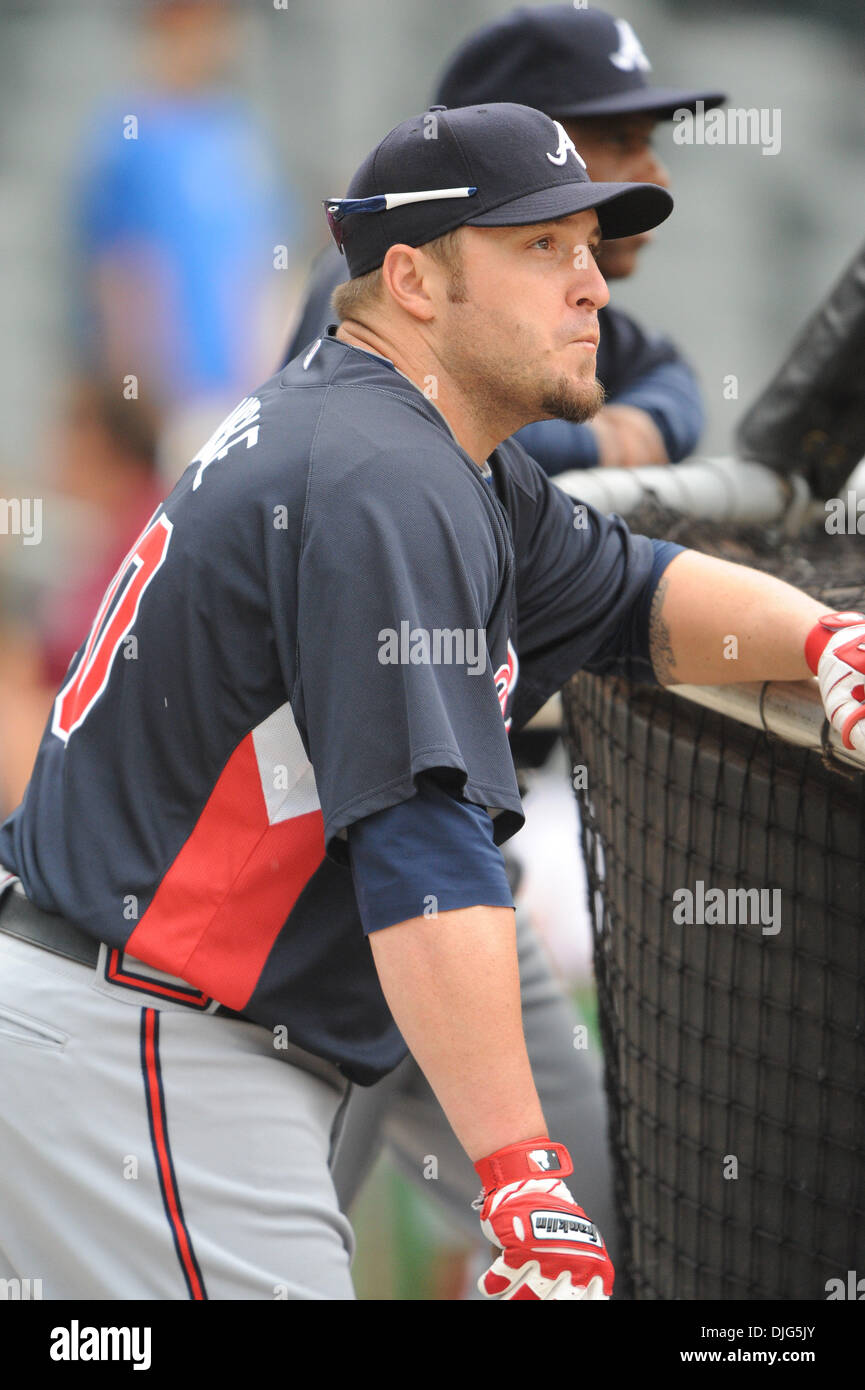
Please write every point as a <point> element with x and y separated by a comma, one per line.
<point>105,465</point>
<point>106,460</point>
<point>184,232</point>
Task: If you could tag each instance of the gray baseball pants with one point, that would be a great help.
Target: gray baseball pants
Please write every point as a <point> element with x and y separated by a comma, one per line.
<point>149,1152</point>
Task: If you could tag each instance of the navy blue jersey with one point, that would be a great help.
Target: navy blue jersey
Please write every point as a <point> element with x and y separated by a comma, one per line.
<point>330,602</point>
<point>635,367</point>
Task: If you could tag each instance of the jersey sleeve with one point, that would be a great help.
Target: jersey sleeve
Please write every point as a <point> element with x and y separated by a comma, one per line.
<point>581,576</point>
<point>432,853</point>
<point>399,590</point>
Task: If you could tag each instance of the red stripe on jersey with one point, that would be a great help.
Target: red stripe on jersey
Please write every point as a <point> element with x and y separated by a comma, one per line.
<point>220,907</point>
<point>276,873</point>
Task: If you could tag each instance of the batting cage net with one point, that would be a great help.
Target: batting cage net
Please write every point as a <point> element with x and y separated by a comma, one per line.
<point>733,1022</point>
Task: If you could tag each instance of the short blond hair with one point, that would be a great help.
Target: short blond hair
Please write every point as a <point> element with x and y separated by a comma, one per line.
<point>354,297</point>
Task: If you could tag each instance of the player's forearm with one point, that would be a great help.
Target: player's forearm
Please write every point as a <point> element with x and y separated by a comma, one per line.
<point>715,623</point>
<point>452,984</point>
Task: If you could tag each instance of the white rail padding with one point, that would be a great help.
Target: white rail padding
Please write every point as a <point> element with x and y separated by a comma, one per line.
<point>722,489</point>
<point>791,709</point>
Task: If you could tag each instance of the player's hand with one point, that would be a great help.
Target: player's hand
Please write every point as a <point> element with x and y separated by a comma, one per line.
<point>835,651</point>
<point>627,437</point>
<point>550,1249</point>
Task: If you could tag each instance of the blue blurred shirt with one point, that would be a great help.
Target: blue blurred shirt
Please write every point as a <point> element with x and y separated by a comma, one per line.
<point>195,201</point>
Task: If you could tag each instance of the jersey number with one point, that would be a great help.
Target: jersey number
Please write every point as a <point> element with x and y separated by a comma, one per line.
<point>79,695</point>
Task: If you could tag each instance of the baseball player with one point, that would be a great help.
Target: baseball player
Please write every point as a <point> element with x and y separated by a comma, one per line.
<point>589,70</point>
<point>258,857</point>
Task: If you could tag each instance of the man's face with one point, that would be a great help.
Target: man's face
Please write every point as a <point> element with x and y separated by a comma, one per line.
<point>618,149</point>
<point>196,40</point>
<point>518,330</point>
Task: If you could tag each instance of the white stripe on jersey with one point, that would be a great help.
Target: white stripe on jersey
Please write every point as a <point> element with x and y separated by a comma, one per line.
<point>287,780</point>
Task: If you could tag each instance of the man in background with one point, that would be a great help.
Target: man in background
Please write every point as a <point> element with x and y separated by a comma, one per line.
<point>587,70</point>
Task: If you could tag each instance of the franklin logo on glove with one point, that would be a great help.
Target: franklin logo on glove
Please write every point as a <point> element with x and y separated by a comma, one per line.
<point>518,1208</point>
<point>551,1223</point>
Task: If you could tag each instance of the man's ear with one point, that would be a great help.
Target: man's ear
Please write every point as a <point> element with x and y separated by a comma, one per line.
<point>405,274</point>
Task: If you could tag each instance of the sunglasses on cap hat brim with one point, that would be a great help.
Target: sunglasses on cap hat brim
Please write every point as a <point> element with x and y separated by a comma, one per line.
<point>336,209</point>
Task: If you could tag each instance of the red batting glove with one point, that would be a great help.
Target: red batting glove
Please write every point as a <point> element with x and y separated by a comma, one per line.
<point>550,1249</point>
<point>835,652</point>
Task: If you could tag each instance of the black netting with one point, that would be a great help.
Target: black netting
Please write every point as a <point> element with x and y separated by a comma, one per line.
<point>725,1042</point>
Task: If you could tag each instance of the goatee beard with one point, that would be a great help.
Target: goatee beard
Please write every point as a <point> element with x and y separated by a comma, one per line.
<point>565,401</point>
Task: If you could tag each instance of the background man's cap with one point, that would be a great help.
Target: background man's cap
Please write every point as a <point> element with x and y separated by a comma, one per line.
<point>565,61</point>
<point>520,166</point>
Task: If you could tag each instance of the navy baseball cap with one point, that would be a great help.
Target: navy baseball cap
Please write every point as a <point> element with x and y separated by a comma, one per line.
<point>500,165</point>
<point>565,61</point>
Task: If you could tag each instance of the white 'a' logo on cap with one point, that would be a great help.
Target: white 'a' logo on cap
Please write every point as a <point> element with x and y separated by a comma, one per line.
<point>565,144</point>
<point>630,55</point>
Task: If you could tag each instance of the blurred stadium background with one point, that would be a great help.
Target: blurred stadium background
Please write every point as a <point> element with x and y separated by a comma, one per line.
<point>285,100</point>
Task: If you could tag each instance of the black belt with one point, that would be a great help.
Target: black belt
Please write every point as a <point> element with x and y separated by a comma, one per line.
<point>21,918</point>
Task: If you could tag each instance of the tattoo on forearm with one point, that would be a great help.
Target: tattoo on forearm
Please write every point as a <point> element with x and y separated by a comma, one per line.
<point>660,650</point>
